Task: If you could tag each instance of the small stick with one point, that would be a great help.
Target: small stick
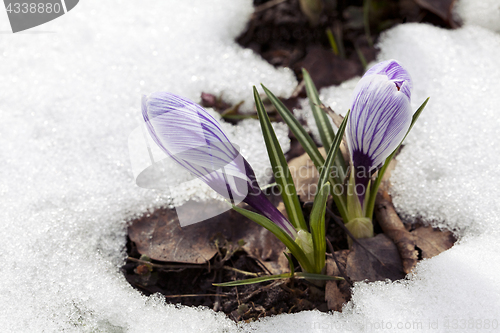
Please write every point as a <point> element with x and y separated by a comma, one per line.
<point>228,268</point>
<point>195,295</point>
<point>179,268</point>
<point>341,269</point>
<point>267,5</point>
<point>258,291</point>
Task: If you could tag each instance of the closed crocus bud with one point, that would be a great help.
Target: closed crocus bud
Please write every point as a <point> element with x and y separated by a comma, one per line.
<point>380,117</point>
<point>194,139</point>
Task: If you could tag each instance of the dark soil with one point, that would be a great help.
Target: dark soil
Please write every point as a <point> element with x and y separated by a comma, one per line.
<point>192,284</point>
<point>283,36</point>
<point>193,287</point>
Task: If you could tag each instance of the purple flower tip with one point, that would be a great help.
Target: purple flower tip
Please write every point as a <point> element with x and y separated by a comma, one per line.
<point>380,116</point>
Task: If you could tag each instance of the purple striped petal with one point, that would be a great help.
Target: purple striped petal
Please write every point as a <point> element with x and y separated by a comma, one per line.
<point>394,72</point>
<point>380,117</point>
<point>194,139</point>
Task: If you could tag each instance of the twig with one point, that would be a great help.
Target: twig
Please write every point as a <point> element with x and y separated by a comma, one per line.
<point>341,269</point>
<point>298,89</point>
<point>217,297</point>
<point>178,268</point>
<point>261,264</point>
<point>228,268</point>
<point>267,5</point>
<point>181,267</point>
<point>258,291</point>
<point>195,295</point>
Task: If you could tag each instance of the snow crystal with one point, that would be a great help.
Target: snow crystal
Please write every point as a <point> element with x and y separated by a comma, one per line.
<point>484,13</point>
<point>68,99</point>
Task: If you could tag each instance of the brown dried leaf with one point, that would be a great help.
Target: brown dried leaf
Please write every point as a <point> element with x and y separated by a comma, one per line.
<point>337,293</point>
<point>331,265</point>
<point>393,228</point>
<point>392,225</point>
<point>442,8</point>
<point>334,296</point>
<point>336,118</point>
<point>382,263</point>
<point>305,176</point>
<point>160,237</point>
<point>432,241</point>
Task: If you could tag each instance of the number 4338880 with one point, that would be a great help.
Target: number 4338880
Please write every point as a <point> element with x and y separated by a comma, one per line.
<point>33,8</point>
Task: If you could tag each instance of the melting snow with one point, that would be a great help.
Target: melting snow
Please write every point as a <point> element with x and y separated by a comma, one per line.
<point>68,100</point>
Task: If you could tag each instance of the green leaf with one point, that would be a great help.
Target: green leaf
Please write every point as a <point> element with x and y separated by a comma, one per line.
<point>290,263</point>
<point>300,275</point>
<point>322,120</point>
<point>325,170</point>
<point>331,39</point>
<point>280,167</point>
<point>373,191</point>
<point>283,236</point>
<point>308,144</point>
<point>297,129</point>
<point>324,127</point>
<point>317,225</point>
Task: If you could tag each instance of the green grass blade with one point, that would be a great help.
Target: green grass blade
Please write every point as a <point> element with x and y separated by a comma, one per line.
<point>300,133</point>
<point>331,39</point>
<point>307,143</point>
<point>280,167</point>
<point>290,263</point>
<point>300,275</point>
<point>322,121</point>
<point>324,175</point>
<point>416,115</point>
<point>280,234</point>
<point>326,169</point>
<point>317,225</point>
<point>373,191</point>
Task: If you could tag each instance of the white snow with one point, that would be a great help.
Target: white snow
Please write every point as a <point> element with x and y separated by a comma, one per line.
<point>68,100</point>
<point>484,13</point>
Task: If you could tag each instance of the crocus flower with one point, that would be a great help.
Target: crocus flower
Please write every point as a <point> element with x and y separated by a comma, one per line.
<point>380,117</point>
<point>193,138</point>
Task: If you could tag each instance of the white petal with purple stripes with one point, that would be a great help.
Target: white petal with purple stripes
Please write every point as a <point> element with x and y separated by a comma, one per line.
<point>380,117</point>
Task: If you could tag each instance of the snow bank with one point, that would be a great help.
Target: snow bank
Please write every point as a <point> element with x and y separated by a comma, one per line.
<point>68,101</point>
<point>70,91</point>
<point>484,13</point>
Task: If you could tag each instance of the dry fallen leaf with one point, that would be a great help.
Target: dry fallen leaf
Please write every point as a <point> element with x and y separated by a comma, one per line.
<point>432,241</point>
<point>305,176</point>
<point>337,293</point>
<point>391,224</point>
<point>382,263</point>
<point>393,228</point>
<point>160,237</point>
<point>442,8</point>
